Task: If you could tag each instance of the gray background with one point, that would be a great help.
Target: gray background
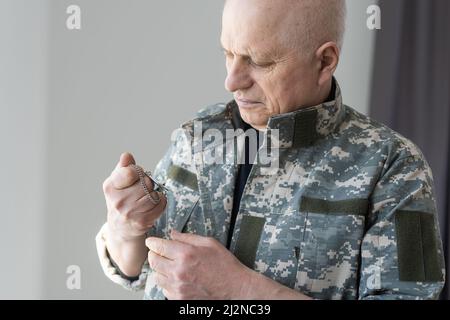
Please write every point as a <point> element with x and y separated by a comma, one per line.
<point>72,101</point>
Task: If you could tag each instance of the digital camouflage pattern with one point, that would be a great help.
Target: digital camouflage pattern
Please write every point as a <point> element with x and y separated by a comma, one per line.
<point>348,214</point>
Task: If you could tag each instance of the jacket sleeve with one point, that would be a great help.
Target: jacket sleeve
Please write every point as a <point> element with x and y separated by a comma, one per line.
<point>402,255</point>
<point>179,150</point>
<point>112,272</point>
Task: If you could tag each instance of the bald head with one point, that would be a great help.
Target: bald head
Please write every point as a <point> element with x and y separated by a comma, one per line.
<point>301,24</point>
<point>280,54</point>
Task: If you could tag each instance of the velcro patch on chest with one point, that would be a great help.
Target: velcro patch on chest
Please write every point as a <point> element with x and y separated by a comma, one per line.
<point>183,177</point>
<point>348,206</point>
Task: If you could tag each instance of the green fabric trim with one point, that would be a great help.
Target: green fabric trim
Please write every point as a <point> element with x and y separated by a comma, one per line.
<point>183,176</point>
<point>341,207</point>
<point>417,247</point>
<point>305,132</point>
<point>248,241</point>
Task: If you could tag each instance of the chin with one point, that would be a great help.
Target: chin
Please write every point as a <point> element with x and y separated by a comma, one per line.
<point>255,121</point>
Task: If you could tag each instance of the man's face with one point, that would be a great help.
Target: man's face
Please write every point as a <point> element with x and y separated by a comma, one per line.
<point>266,75</point>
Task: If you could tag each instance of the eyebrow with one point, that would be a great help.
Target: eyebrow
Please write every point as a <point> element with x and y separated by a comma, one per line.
<point>263,56</point>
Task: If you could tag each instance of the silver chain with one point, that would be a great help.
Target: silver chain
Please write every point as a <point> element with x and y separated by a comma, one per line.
<point>154,199</point>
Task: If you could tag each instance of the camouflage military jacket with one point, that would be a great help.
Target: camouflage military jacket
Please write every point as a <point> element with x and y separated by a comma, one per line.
<point>347,213</point>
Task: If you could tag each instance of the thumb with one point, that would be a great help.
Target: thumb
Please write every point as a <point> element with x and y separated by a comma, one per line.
<point>188,238</point>
<point>125,160</point>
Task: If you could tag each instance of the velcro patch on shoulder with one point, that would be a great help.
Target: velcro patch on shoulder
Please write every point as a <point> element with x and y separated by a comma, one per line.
<point>417,247</point>
<point>339,207</point>
<point>183,176</point>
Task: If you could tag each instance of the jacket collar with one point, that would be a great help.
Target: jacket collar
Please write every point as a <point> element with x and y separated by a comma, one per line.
<point>303,127</point>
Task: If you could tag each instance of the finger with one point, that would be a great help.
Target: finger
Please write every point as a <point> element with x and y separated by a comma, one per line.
<point>148,218</point>
<point>144,204</point>
<point>135,194</point>
<point>189,238</point>
<point>145,197</point>
<point>129,196</point>
<point>148,183</point>
<point>166,248</point>
<point>125,160</point>
<point>124,177</point>
<point>159,264</point>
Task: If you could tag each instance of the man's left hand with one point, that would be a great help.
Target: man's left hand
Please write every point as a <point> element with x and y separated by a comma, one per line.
<point>194,267</point>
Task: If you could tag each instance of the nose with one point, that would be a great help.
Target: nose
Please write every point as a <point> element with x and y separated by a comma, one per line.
<point>238,77</point>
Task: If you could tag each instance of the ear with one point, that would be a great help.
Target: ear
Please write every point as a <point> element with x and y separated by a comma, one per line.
<point>328,57</point>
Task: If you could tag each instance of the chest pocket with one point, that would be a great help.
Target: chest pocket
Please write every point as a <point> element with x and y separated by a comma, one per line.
<point>278,251</point>
<point>330,247</point>
<point>183,198</point>
<point>315,247</point>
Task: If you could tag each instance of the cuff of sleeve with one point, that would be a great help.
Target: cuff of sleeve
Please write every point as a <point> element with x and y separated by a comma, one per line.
<point>112,272</point>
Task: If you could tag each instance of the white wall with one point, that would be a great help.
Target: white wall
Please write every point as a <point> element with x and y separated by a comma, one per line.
<point>23,141</point>
<point>124,82</point>
<point>355,70</point>
<point>72,101</point>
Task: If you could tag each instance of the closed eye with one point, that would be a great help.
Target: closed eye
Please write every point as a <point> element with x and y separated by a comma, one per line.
<point>259,64</point>
<point>249,60</point>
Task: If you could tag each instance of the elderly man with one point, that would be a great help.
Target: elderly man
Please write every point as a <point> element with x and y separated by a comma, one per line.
<point>347,213</point>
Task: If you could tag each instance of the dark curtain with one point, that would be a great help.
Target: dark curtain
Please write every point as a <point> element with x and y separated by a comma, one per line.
<point>411,85</point>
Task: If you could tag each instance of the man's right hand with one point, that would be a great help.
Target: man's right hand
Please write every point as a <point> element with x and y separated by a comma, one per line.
<point>130,214</point>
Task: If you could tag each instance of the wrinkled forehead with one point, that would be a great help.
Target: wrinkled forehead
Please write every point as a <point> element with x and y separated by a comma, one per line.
<point>259,24</point>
